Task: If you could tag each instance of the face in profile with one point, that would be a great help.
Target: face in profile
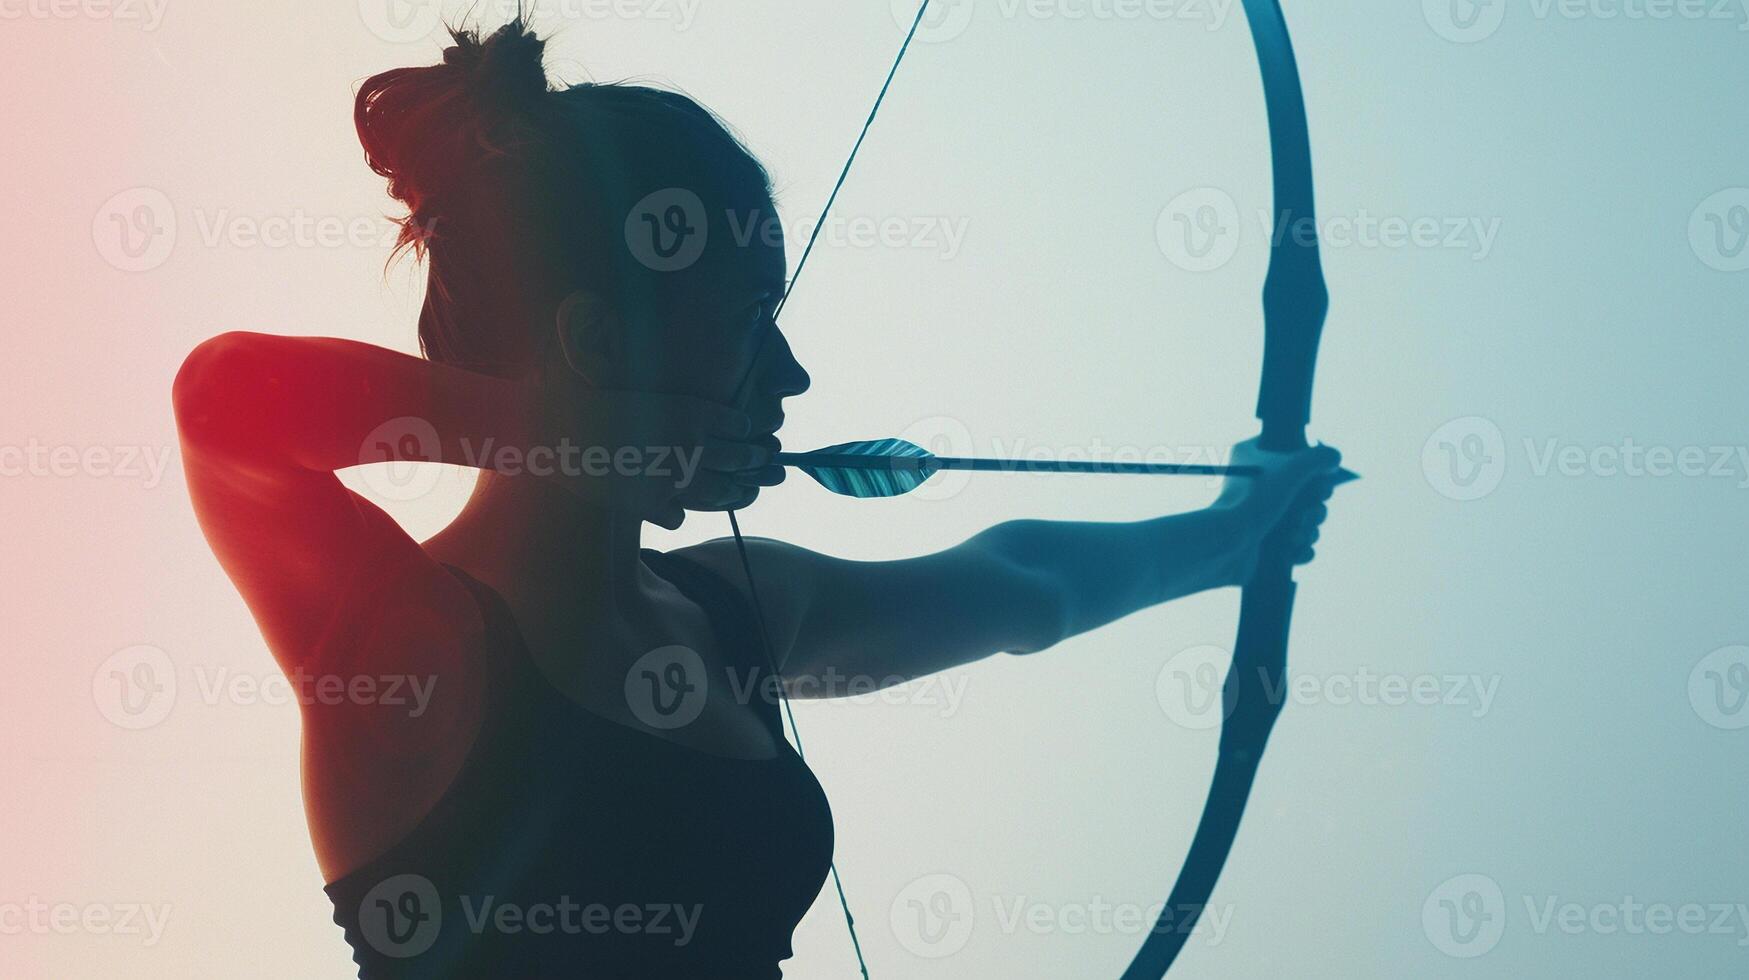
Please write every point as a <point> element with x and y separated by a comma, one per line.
<point>718,338</point>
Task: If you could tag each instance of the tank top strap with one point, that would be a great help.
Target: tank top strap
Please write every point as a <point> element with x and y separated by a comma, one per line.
<point>734,623</point>
<point>500,622</point>
<point>507,658</point>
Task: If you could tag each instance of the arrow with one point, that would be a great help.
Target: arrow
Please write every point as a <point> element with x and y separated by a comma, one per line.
<point>890,467</point>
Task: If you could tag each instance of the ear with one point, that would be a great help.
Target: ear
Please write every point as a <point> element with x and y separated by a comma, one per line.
<point>591,335</point>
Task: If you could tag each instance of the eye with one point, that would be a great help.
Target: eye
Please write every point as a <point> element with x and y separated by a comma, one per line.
<point>760,312</point>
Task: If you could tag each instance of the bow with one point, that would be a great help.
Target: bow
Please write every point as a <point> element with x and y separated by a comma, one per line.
<point>1295,301</point>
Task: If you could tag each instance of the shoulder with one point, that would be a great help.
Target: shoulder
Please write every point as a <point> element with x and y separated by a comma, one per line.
<point>765,594</point>
<point>776,571</point>
<point>718,556</point>
<point>713,566</point>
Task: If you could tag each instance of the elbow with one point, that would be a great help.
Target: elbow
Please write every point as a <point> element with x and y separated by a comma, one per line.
<point>207,369</point>
<point>1044,602</point>
<point>214,389</point>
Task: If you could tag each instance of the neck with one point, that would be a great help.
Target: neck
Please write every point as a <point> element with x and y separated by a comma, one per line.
<point>545,548</point>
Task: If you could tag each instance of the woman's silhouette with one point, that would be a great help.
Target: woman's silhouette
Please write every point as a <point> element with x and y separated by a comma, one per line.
<point>598,782</point>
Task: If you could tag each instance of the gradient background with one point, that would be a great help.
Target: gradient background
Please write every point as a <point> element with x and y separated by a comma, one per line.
<point>1603,608</point>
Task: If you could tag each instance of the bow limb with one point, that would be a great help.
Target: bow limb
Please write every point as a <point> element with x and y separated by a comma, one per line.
<point>1295,301</point>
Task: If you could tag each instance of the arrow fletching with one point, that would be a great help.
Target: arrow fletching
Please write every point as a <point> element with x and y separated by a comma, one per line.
<point>874,468</point>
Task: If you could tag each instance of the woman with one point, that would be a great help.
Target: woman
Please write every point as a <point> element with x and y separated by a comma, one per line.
<point>595,781</point>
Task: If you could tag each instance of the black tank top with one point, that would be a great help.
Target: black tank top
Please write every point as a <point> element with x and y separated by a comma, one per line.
<point>569,845</point>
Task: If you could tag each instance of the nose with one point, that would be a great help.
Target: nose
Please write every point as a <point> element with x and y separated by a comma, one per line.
<point>785,376</point>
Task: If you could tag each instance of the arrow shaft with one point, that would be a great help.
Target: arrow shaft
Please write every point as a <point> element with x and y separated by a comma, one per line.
<point>933,463</point>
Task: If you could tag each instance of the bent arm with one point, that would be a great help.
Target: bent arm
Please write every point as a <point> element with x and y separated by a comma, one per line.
<point>840,626</point>
<point>265,421</point>
<point>323,404</point>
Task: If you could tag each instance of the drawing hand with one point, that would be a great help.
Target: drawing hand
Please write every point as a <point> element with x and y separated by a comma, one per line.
<point>653,455</point>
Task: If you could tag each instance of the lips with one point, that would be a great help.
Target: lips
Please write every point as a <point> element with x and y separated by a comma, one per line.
<point>766,435</point>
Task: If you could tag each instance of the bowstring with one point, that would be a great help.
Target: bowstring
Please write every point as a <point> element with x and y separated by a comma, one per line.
<point>735,524</point>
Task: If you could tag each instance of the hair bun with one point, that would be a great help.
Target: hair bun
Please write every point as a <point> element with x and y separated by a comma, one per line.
<point>504,71</point>
<point>431,128</point>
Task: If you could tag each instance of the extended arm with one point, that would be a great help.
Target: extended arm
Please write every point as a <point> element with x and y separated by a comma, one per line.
<point>840,626</point>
